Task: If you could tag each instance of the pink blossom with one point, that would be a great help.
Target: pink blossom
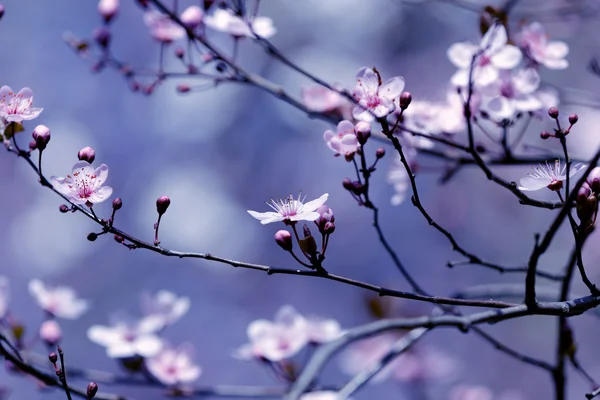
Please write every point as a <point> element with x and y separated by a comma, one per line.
<point>84,185</point>
<point>290,210</point>
<point>464,392</point>
<point>534,42</point>
<point>225,20</point>
<point>174,366</point>
<point>4,296</point>
<point>127,338</point>
<point>108,8</point>
<point>192,17</point>
<point>162,28</point>
<point>367,352</point>
<point>61,301</point>
<point>343,142</point>
<point>320,99</point>
<point>50,332</point>
<point>492,55</point>
<point>165,305</point>
<point>550,176</point>
<point>511,94</point>
<point>16,107</point>
<point>324,395</point>
<point>321,330</point>
<point>375,99</point>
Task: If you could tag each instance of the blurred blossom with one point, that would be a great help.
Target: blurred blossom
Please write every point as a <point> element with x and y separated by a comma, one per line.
<point>492,55</point>
<point>343,141</point>
<point>375,99</point>
<point>165,305</point>
<point>224,20</point>
<point>290,210</point>
<point>4,296</point>
<point>162,28</point>
<point>192,17</point>
<point>464,392</point>
<point>61,302</point>
<point>364,353</point>
<point>534,41</point>
<point>108,8</point>
<point>325,395</point>
<point>548,175</point>
<point>84,185</point>
<point>321,330</point>
<point>50,332</point>
<point>16,107</point>
<point>174,366</point>
<point>548,97</point>
<point>129,338</point>
<point>320,99</point>
<point>512,93</point>
<point>398,177</point>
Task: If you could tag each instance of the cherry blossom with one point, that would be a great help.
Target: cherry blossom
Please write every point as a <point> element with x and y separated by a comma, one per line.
<point>548,175</point>
<point>162,28</point>
<point>277,340</point>
<point>192,17</point>
<point>374,99</point>
<point>50,332</point>
<point>364,353</point>
<point>4,296</point>
<point>324,395</point>
<point>290,210</point>
<point>225,20</point>
<point>512,93</point>
<point>84,185</point>
<point>61,301</point>
<point>129,338</point>
<point>321,330</point>
<point>534,42</point>
<point>464,392</point>
<point>165,305</point>
<point>343,142</point>
<point>108,8</point>
<point>16,107</point>
<point>172,366</point>
<point>492,55</point>
<point>320,99</point>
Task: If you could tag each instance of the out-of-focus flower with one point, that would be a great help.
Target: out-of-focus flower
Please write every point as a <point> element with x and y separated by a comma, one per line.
<point>290,210</point>
<point>398,177</point>
<point>321,330</point>
<point>50,332</point>
<point>108,9</point>
<point>162,28</point>
<point>512,93</point>
<point>375,99</point>
<point>549,97</point>
<point>548,175</point>
<point>343,142</point>
<point>61,301</point>
<point>534,42</point>
<point>16,107</point>
<point>84,185</point>
<point>4,296</point>
<point>174,366</point>
<point>464,392</point>
<point>277,340</point>
<point>225,20</point>
<point>425,364</point>
<point>362,354</point>
<point>324,395</point>
<point>165,305</point>
<point>492,54</point>
<point>192,17</point>
<point>127,338</point>
<point>320,99</point>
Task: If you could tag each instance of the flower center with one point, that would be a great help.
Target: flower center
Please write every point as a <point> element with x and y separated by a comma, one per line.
<point>507,90</point>
<point>484,60</point>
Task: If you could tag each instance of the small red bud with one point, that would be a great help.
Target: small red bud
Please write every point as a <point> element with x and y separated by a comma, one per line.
<point>405,99</point>
<point>63,208</point>
<point>284,239</point>
<point>92,389</point>
<point>573,118</point>
<point>553,112</point>
<point>53,357</point>
<point>87,154</point>
<point>380,152</point>
<point>162,203</point>
<point>545,135</point>
<point>117,203</point>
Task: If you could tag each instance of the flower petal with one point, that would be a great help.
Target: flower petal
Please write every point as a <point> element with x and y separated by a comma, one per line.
<point>314,204</point>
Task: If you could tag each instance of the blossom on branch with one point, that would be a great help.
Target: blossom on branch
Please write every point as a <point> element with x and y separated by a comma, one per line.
<point>61,301</point>
<point>165,305</point>
<point>343,141</point>
<point>224,20</point>
<point>320,99</point>
<point>374,98</point>
<point>84,185</point>
<point>16,107</point>
<point>127,338</point>
<point>162,28</point>
<point>512,93</point>
<point>172,366</point>
<point>534,42</point>
<point>548,175</point>
<point>290,210</point>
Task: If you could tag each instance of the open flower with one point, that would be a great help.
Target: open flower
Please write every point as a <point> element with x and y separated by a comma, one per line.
<point>61,301</point>
<point>492,54</point>
<point>548,175</point>
<point>225,20</point>
<point>4,296</point>
<point>534,42</point>
<point>321,330</point>
<point>174,366</point>
<point>512,93</point>
<point>16,107</point>
<point>289,210</point>
<point>162,28</point>
<point>84,185</point>
<point>127,338</point>
<point>165,305</point>
<point>375,99</point>
<point>343,142</point>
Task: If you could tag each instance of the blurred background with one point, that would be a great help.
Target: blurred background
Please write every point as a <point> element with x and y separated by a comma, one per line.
<point>225,150</point>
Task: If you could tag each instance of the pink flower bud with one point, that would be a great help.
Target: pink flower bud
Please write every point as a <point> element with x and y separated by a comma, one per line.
<point>325,216</point>
<point>594,180</point>
<point>50,332</point>
<point>553,112</point>
<point>119,239</point>
<point>63,208</point>
<point>41,135</point>
<point>102,36</point>
<point>183,88</point>
<point>1,10</point>
<point>405,99</point>
<point>347,183</point>
<point>87,154</point>
<point>192,17</point>
<point>545,134</point>
<point>92,389</point>
<point>108,9</point>
<point>32,145</point>
<point>573,118</point>
<point>380,152</point>
<point>162,203</point>
<point>363,132</point>
<point>117,204</point>
<point>53,357</point>
<point>583,194</point>
<point>329,228</point>
<point>284,239</point>
<point>179,52</point>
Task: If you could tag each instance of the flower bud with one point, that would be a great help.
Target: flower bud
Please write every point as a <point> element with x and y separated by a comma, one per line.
<point>183,88</point>
<point>363,132</point>
<point>41,135</point>
<point>573,118</point>
<point>162,203</point>
<point>284,239</point>
<point>545,134</point>
<point>63,208</point>
<point>87,154</point>
<point>108,9</point>
<point>405,99</point>
<point>594,180</point>
<point>192,17</point>
<point>32,145</point>
<point>102,36</point>
<point>358,188</point>
<point>50,332</point>
<point>1,10</point>
<point>92,236</point>
<point>119,239</point>
<point>117,204</point>
<point>347,183</point>
<point>325,216</point>
<point>329,228</point>
<point>380,152</point>
<point>179,52</point>
<point>553,112</point>
<point>583,194</point>
<point>53,357</point>
<point>92,389</point>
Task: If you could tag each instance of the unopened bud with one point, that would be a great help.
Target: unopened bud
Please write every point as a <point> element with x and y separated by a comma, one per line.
<point>363,132</point>
<point>329,228</point>
<point>325,216</point>
<point>573,118</point>
<point>32,145</point>
<point>53,357</point>
<point>192,17</point>
<point>119,239</point>
<point>92,236</point>
<point>308,244</point>
<point>380,152</point>
<point>87,154</point>
<point>102,36</point>
<point>594,180</point>
<point>221,66</point>
<point>162,203</point>
<point>108,9</point>
<point>583,194</point>
<point>179,52</point>
<point>553,112</point>
<point>183,88</point>
<point>405,99</point>
<point>545,134</point>
<point>117,203</point>
<point>357,188</point>
<point>50,332</point>
<point>63,208</point>
<point>41,135</point>
<point>347,183</point>
<point>92,389</point>
<point>1,10</point>
<point>284,239</point>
